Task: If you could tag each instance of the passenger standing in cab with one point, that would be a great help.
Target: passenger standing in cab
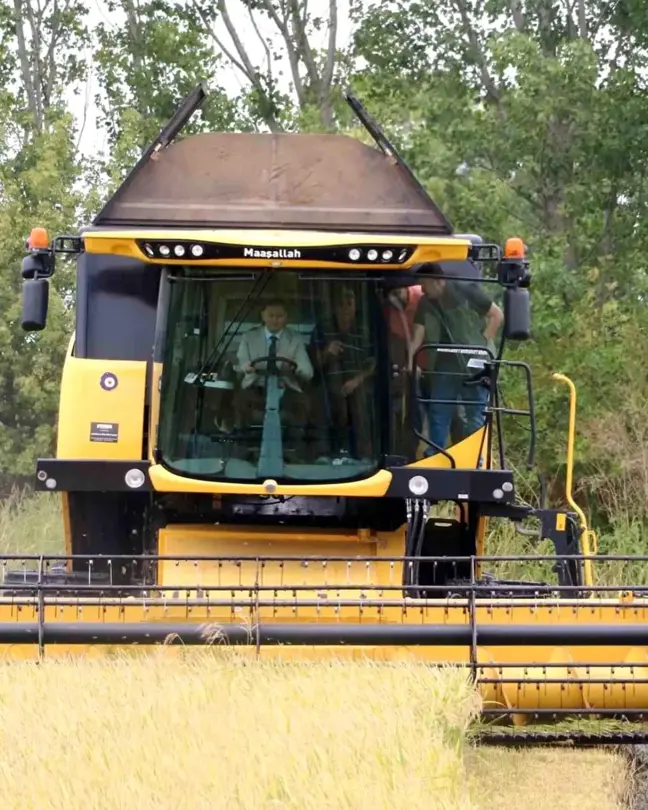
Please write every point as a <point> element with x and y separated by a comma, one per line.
<point>399,310</point>
<point>345,353</point>
<point>460,313</point>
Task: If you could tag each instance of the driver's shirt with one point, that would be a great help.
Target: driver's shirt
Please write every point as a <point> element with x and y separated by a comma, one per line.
<point>290,344</point>
<point>269,335</point>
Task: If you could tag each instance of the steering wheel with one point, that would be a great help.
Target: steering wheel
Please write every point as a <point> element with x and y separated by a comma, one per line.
<point>278,359</point>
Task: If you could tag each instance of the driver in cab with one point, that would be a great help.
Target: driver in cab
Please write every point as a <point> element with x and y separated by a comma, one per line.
<point>273,339</point>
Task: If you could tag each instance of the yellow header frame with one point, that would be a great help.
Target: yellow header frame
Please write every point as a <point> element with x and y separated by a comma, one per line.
<point>123,242</point>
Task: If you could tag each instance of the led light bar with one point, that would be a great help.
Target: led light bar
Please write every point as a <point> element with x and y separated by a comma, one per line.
<point>177,250</point>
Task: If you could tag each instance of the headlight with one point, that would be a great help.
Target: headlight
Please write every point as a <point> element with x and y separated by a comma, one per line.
<point>135,478</point>
<point>418,485</point>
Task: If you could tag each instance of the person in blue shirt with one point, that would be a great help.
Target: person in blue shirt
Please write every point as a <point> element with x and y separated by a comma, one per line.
<point>460,313</point>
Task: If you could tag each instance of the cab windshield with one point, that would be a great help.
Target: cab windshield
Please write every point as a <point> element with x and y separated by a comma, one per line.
<point>272,375</point>
<point>315,376</point>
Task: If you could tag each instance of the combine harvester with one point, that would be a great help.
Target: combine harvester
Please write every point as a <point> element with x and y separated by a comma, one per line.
<point>217,491</point>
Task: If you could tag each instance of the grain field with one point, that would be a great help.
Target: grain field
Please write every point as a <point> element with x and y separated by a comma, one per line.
<point>195,729</point>
<point>212,732</point>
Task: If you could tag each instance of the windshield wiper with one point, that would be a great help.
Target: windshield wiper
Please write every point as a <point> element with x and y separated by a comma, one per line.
<point>215,356</point>
<point>221,346</point>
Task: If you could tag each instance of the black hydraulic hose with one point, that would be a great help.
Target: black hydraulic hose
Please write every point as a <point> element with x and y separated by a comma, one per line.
<point>412,543</point>
<point>407,580</point>
<point>419,541</point>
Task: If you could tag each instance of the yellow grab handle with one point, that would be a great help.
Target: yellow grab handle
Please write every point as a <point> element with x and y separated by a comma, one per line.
<point>586,533</point>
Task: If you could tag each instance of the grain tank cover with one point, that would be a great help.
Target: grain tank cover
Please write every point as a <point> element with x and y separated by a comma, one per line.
<point>252,180</point>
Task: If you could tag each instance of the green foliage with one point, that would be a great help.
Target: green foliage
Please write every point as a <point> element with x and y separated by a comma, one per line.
<point>38,189</point>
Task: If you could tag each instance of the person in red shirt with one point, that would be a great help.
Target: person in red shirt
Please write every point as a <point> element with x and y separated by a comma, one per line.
<point>399,308</point>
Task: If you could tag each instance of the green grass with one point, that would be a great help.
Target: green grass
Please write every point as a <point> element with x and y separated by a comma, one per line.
<point>31,523</point>
<point>625,538</point>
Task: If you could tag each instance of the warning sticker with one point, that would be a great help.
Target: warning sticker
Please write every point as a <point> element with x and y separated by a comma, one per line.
<point>104,431</point>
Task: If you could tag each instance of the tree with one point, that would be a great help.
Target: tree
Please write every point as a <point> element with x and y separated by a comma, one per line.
<point>39,176</point>
<point>526,94</point>
<point>48,39</point>
<point>153,55</point>
<point>308,98</point>
<point>529,118</point>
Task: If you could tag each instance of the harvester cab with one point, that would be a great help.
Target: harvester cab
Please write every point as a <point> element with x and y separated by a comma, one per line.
<point>285,361</point>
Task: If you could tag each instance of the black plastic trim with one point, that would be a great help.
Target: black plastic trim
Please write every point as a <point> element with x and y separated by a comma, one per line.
<point>444,484</point>
<point>82,475</point>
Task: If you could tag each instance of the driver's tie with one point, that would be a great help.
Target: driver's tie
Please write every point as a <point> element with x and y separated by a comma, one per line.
<point>272,364</point>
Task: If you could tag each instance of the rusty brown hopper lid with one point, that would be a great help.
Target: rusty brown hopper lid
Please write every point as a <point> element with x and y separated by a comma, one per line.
<point>252,180</point>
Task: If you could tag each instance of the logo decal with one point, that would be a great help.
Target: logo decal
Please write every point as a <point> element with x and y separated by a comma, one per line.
<point>271,253</point>
<point>104,432</point>
<point>108,381</point>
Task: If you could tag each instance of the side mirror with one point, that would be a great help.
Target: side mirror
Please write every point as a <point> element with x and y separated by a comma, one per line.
<point>517,313</point>
<point>34,304</point>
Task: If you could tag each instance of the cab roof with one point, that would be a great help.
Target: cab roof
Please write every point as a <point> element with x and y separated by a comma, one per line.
<point>285,180</point>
